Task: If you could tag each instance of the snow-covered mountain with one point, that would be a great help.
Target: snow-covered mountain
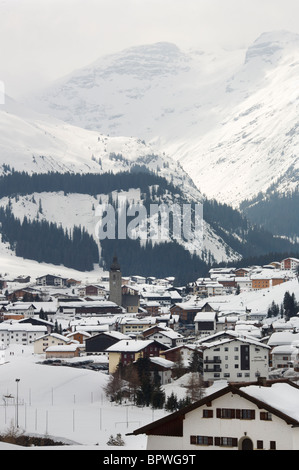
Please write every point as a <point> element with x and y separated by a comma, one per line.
<point>229,117</point>
<point>36,143</point>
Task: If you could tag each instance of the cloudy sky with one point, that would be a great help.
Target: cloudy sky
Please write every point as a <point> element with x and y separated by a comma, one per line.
<point>42,40</point>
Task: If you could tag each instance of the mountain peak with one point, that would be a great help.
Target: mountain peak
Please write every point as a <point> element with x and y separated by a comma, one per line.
<point>144,61</point>
<point>269,46</point>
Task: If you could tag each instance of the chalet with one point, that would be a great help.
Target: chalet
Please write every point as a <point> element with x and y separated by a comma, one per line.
<point>166,336</point>
<point>93,290</point>
<point>97,344</point>
<point>241,272</point>
<point>227,282</point>
<point>205,323</point>
<point>39,322</point>
<point>27,310</point>
<point>290,264</point>
<point>26,293</point>
<point>244,416</point>
<point>282,357</point>
<point>50,280</point>
<point>153,307</point>
<point>182,353</point>
<point>78,336</point>
<point>128,351</point>
<point>152,330</point>
<point>163,368</point>
<point>66,351</point>
<point>186,311</point>
<point>52,339</point>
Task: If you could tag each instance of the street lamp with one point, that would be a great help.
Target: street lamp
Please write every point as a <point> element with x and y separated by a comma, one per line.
<point>17,380</point>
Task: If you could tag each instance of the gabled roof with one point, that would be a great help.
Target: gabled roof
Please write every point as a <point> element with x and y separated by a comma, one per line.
<point>261,396</point>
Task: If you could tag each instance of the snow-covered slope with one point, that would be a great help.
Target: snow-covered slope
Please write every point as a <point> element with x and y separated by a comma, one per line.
<point>36,143</point>
<point>229,117</point>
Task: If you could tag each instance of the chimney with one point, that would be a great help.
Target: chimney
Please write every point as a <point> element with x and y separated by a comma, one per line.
<point>262,381</point>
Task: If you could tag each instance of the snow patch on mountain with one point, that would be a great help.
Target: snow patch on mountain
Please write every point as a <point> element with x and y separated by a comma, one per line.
<point>229,117</point>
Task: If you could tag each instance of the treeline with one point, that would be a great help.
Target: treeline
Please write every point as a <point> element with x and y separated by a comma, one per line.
<point>250,238</point>
<point>46,242</point>
<point>22,183</point>
<point>158,260</point>
<point>276,212</point>
<point>287,309</point>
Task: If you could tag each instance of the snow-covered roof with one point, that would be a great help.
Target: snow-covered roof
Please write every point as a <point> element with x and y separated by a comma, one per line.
<point>280,338</point>
<point>273,397</point>
<point>162,362</point>
<point>129,345</point>
<point>205,316</point>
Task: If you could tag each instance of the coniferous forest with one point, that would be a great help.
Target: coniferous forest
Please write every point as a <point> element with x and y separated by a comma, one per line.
<point>44,241</point>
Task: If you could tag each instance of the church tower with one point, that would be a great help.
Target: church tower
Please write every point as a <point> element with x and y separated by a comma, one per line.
<point>115,282</point>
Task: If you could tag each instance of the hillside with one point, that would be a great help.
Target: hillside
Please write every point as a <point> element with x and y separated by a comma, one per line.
<point>229,117</point>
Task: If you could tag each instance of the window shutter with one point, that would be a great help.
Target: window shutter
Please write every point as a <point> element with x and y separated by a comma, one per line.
<point>217,441</point>
<point>235,442</point>
<point>238,414</point>
<point>192,439</point>
<point>218,412</point>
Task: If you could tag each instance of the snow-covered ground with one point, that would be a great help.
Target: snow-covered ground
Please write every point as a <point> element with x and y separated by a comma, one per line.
<point>65,403</point>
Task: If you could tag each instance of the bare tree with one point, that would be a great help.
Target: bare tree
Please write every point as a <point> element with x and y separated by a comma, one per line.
<point>195,387</point>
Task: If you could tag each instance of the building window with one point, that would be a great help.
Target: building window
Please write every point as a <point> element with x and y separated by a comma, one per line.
<point>265,416</point>
<point>201,440</point>
<point>247,414</point>
<point>207,414</point>
<point>225,413</point>
<point>230,413</point>
<point>259,445</point>
<point>226,441</point>
<point>272,445</point>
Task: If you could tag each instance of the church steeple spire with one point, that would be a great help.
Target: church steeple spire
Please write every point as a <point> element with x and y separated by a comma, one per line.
<point>115,264</point>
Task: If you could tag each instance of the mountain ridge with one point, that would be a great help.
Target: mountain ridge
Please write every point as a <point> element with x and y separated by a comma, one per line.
<point>221,114</point>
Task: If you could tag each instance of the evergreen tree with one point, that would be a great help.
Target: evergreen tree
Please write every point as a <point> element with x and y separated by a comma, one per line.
<point>195,364</point>
<point>171,403</point>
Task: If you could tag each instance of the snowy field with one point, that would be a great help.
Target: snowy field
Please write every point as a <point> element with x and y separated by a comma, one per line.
<point>65,403</point>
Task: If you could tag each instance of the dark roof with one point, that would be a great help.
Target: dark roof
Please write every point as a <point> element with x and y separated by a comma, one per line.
<point>115,264</point>
<point>172,425</point>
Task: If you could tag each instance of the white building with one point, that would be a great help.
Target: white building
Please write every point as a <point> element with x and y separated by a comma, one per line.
<point>282,356</point>
<point>20,333</point>
<point>227,356</point>
<point>21,308</point>
<point>244,282</point>
<point>168,337</point>
<point>290,263</point>
<point>236,417</point>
